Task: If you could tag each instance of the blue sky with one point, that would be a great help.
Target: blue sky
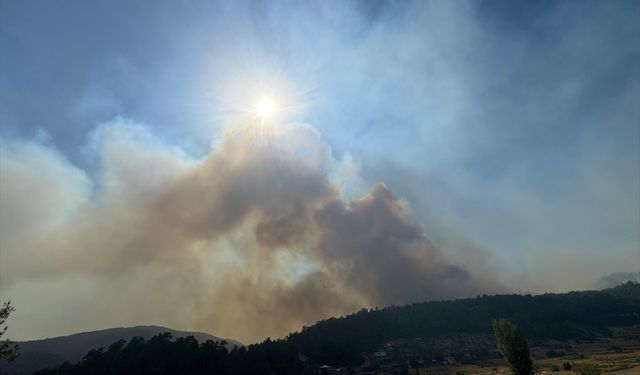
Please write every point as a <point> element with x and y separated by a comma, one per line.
<point>511,129</point>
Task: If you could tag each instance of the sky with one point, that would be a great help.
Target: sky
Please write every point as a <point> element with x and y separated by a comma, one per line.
<point>419,150</point>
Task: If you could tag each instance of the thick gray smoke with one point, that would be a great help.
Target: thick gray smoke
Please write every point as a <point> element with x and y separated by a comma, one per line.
<point>253,240</point>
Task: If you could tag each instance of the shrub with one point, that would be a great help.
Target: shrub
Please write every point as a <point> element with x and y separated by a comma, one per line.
<point>588,369</point>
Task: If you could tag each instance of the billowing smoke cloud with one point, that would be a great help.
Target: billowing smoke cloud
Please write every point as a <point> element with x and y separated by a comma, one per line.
<point>253,240</point>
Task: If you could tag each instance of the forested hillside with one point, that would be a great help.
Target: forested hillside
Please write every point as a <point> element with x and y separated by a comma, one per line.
<point>339,341</point>
<point>54,351</point>
<point>578,315</point>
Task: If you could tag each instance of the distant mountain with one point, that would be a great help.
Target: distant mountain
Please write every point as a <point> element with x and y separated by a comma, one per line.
<point>51,352</point>
<point>614,279</point>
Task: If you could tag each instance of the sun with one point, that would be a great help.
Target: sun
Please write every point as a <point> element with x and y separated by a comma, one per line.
<point>265,107</point>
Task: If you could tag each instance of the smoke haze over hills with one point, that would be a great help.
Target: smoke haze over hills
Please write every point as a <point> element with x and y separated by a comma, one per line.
<point>418,150</point>
<point>253,240</point>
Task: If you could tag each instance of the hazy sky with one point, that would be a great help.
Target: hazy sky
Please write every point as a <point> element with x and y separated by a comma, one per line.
<point>419,150</point>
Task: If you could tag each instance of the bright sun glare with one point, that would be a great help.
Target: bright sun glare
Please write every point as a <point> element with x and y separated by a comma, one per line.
<point>265,107</point>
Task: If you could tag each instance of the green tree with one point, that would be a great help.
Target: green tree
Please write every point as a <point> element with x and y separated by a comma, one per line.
<point>8,350</point>
<point>513,346</point>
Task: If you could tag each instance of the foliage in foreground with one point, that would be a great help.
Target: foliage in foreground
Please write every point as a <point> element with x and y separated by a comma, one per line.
<point>8,350</point>
<point>513,347</point>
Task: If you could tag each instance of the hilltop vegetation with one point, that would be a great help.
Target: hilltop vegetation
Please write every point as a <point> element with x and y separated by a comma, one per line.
<point>577,315</point>
<point>51,352</point>
<point>340,341</point>
<point>162,355</point>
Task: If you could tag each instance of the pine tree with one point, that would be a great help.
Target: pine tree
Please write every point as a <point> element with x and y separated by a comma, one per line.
<point>8,350</point>
<point>513,346</point>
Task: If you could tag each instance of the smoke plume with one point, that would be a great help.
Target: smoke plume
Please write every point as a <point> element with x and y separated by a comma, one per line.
<point>252,240</point>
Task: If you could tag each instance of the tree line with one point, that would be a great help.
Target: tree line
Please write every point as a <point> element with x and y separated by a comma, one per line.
<point>342,341</point>
<point>162,354</point>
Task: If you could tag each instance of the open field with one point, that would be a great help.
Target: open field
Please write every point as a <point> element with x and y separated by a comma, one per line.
<point>627,363</point>
<point>615,353</point>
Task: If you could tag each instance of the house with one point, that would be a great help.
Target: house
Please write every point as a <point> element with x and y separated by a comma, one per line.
<point>448,360</point>
<point>380,354</point>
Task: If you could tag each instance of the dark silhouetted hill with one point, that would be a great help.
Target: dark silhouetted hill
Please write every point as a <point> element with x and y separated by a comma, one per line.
<point>51,352</point>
